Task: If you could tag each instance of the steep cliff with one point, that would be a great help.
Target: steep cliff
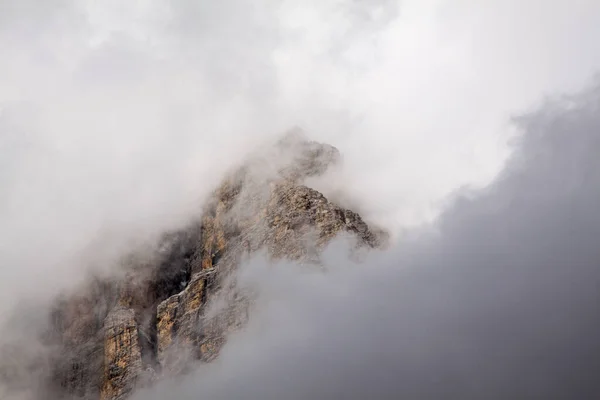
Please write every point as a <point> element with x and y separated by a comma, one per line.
<point>179,307</point>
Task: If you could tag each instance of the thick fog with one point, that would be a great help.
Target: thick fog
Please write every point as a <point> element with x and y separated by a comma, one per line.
<point>117,119</point>
<point>499,299</point>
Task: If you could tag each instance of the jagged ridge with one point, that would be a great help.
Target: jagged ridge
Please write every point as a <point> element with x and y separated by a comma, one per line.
<point>155,321</point>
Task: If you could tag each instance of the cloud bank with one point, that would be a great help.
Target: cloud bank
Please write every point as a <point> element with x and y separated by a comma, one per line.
<point>499,301</point>
<point>117,119</point>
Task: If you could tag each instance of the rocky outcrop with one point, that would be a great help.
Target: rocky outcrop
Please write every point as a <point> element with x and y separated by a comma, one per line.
<point>286,218</point>
<point>180,304</point>
<point>179,336</point>
<point>296,211</point>
<point>122,354</point>
<point>77,324</point>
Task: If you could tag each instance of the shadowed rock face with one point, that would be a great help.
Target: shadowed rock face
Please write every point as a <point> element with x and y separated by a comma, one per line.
<point>181,306</point>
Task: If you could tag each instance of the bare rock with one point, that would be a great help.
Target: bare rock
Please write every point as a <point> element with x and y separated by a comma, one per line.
<point>179,332</point>
<point>180,304</point>
<point>122,354</point>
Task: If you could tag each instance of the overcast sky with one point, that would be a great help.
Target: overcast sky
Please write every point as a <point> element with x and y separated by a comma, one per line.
<point>118,118</point>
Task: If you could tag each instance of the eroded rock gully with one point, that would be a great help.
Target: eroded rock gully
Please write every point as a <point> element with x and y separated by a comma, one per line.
<point>118,336</point>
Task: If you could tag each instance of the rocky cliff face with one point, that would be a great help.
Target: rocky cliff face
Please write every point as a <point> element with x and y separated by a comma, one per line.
<point>117,336</point>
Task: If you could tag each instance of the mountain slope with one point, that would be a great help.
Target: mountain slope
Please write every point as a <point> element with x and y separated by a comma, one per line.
<point>176,306</point>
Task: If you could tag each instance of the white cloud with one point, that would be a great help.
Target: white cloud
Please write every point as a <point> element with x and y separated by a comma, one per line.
<point>118,118</point>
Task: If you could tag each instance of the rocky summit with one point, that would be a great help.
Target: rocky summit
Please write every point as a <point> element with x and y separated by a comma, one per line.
<point>161,318</point>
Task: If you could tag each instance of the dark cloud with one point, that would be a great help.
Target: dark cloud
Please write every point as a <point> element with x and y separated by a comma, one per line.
<point>500,300</point>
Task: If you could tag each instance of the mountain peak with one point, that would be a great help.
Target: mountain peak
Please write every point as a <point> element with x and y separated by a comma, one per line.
<point>154,321</point>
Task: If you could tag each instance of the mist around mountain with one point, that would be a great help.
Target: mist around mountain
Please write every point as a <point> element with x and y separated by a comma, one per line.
<point>119,120</point>
<point>498,299</point>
